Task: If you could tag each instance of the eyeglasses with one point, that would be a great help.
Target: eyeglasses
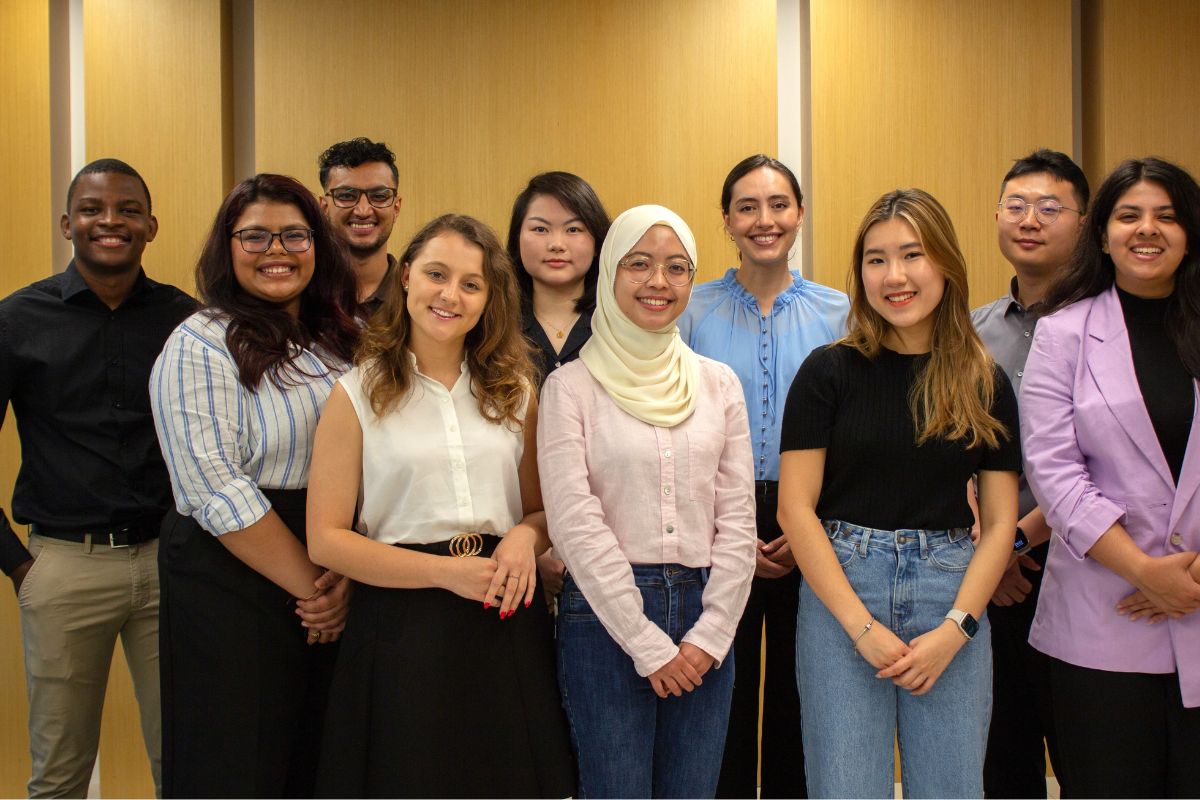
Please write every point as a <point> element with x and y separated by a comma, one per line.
<point>677,271</point>
<point>1013,209</point>
<point>347,197</point>
<point>258,240</point>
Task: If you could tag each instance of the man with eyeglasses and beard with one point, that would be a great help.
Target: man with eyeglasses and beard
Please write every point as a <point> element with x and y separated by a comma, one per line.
<point>75,356</point>
<point>1043,199</point>
<point>359,180</point>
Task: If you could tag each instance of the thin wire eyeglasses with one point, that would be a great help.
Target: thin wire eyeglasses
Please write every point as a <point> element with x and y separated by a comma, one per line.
<point>1046,210</point>
<point>258,240</point>
<point>347,196</point>
<point>640,269</point>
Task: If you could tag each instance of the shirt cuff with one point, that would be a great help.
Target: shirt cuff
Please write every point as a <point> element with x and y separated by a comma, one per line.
<point>651,650</point>
<point>234,507</point>
<point>1082,534</point>
<point>13,552</point>
<point>709,637</point>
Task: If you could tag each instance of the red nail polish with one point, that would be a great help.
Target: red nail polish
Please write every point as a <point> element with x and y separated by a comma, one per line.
<point>486,605</point>
<point>527,602</point>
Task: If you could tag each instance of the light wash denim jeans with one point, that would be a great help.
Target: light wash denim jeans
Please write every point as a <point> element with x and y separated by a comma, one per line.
<point>629,742</point>
<point>908,580</point>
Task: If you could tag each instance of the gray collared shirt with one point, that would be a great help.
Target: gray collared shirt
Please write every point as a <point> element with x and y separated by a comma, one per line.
<point>1006,327</point>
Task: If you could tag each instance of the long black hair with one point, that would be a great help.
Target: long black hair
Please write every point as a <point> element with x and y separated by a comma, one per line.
<point>1092,271</point>
<point>261,334</point>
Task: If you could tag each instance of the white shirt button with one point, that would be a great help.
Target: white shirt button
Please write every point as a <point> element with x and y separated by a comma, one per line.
<point>1176,539</point>
<point>670,529</point>
<point>667,490</point>
<point>667,453</point>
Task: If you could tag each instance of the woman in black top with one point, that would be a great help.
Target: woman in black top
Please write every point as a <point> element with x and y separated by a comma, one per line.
<point>558,225</point>
<point>881,433</point>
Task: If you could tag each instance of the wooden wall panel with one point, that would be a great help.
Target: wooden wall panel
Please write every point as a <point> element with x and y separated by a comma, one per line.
<point>153,97</point>
<point>27,223</point>
<point>936,94</point>
<point>1139,89</point>
<point>650,102</point>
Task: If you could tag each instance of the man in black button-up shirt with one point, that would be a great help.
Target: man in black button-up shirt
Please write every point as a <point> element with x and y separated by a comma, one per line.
<point>76,351</point>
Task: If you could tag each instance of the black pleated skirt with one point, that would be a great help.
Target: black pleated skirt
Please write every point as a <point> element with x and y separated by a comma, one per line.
<point>243,695</point>
<point>435,697</point>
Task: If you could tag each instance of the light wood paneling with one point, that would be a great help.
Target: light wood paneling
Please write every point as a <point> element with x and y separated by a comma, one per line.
<point>937,94</point>
<point>27,222</point>
<point>1140,62</point>
<point>154,77</point>
<point>154,98</point>
<point>650,102</point>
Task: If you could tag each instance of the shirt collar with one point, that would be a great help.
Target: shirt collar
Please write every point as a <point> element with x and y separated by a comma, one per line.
<point>785,297</point>
<point>1014,305</point>
<point>74,284</point>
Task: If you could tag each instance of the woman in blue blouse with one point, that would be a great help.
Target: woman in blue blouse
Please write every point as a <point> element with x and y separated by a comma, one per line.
<point>236,396</point>
<point>763,320</point>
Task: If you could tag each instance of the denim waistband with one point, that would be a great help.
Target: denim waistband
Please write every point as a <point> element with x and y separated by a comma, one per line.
<point>667,574</point>
<point>902,539</point>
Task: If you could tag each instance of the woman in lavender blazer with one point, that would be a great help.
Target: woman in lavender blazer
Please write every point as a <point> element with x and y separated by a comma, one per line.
<point>1111,429</point>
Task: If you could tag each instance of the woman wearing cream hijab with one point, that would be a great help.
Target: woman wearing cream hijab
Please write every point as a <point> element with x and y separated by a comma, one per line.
<point>645,460</point>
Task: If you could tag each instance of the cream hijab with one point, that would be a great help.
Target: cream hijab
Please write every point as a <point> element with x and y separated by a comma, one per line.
<point>652,375</point>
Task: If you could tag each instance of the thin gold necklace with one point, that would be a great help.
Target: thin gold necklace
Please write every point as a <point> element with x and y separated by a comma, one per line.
<point>560,331</point>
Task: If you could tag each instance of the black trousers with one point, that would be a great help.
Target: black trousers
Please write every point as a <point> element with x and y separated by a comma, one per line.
<point>1022,715</point>
<point>1125,734</point>
<point>772,602</point>
<point>243,695</point>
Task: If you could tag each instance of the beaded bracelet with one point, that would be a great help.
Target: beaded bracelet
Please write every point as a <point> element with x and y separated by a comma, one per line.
<point>862,633</point>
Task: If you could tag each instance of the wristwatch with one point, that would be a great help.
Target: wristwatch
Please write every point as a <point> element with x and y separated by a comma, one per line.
<point>965,622</point>
<point>1021,545</point>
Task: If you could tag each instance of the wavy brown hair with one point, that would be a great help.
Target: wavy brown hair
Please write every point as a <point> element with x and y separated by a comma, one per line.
<point>498,357</point>
<point>952,396</point>
<point>261,334</point>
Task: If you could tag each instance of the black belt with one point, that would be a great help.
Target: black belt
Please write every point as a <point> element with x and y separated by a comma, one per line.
<point>464,544</point>
<point>766,490</point>
<point>123,536</point>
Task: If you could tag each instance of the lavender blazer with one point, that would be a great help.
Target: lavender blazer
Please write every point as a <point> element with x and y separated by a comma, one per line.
<point>1092,459</point>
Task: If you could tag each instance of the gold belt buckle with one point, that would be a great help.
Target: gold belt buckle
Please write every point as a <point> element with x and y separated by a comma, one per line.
<point>464,545</point>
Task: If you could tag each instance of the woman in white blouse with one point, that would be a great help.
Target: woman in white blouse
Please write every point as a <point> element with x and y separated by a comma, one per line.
<point>236,394</point>
<point>425,491</point>
<point>645,455</point>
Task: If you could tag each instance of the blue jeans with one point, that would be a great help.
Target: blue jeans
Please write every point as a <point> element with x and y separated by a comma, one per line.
<point>630,743</point>
<point>908,580</point>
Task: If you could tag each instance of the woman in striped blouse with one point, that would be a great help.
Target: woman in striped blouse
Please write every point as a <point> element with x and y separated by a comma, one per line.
<point>236,394</point>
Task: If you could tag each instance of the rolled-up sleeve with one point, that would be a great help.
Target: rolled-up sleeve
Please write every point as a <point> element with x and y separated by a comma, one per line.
<point>735,534</point>
<point>1055,466</point>
<point>581,537</point>
<point>199,413</point>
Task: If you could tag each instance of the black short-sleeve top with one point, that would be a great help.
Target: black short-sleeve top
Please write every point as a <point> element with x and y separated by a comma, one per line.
<point>876,475</point>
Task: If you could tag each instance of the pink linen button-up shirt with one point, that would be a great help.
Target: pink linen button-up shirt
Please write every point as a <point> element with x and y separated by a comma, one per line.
<point>1093,459</point>
<point>619,491</point>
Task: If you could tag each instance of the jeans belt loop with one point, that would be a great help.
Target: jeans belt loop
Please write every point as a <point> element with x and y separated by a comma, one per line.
<point>863,540</point>
<point>924,543</point>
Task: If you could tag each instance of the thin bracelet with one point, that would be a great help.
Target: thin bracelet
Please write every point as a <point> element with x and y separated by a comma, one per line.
<point>862,633</point>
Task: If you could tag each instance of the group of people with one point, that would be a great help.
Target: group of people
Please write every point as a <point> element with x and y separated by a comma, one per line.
<point>513,519</point>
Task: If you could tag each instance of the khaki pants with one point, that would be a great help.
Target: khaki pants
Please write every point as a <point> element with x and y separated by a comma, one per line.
<point>74,602</point>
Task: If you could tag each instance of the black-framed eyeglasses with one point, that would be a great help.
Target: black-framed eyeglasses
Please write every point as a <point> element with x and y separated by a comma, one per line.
<point>1046,210</point>
<point>347,196</point>
<point>258,240</point>
<point>677,271</point>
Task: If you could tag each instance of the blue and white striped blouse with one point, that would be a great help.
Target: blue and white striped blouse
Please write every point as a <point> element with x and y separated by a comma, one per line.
<point>223,443</point>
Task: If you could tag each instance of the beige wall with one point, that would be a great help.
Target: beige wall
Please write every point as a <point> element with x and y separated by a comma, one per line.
<point>650,100</point>
<point>937,94</point>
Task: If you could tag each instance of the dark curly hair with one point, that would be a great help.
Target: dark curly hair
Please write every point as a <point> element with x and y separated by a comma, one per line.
<point>353,153</point>
<point>262,335</point>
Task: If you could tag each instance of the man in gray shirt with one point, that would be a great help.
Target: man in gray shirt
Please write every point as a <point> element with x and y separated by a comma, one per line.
<point>1043,199</point>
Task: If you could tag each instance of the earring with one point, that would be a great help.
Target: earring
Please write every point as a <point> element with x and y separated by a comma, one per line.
<point>405,287</point>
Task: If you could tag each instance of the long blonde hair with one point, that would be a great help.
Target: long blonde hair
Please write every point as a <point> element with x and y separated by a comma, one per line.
<point>952,396</point>
<point>502,372</point>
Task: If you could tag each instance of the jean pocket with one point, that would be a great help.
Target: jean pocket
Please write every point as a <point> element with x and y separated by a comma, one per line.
<point>953,556</point>
<point>844,550</point>
<point>574,605</point>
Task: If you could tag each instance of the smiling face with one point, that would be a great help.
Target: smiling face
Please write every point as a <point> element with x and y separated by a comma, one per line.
<point>275,276</point>
<point>109,223</point>
<point>1145,240</point>
<point>447,290</point>
<point>901,284</point>
<point>556,247</point>
<point>655,304</point>
<point>1034,248</point>
<point>364,228</point>
<point>764,217</point>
